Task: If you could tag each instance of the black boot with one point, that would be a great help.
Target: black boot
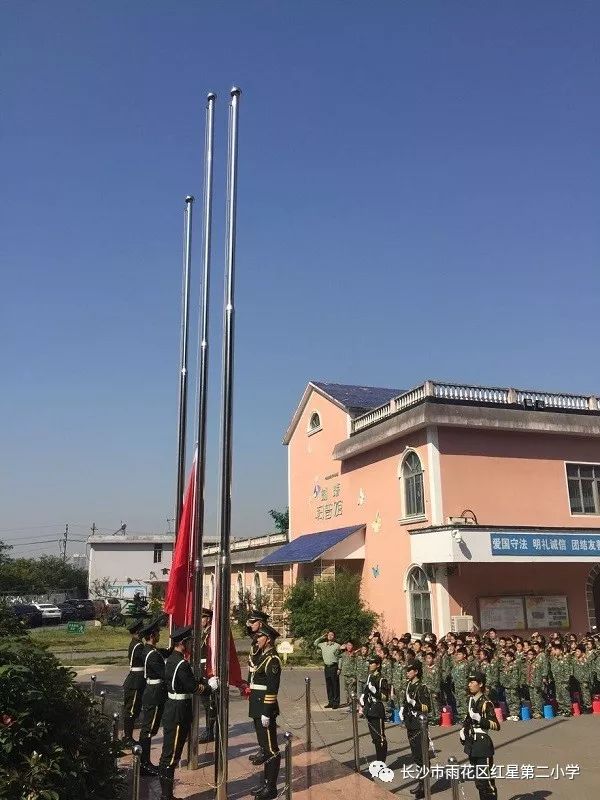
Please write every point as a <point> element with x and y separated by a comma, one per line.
<point>269,791</point>
<point>148,769</point>
<point>128,740</point>
<point>258,758</point>
<point>418,791</point>
<point>166,788</point>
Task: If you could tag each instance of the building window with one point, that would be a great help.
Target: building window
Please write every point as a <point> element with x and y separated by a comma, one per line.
<point>420,601</point>
<point>412,477</point>
<point>257,590</point>
<point>314,424</point>
<point>584,488</point>
<point>240,589</point>
<point>157,553</point>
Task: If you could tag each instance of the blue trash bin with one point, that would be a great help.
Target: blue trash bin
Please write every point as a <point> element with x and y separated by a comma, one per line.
<point>396,716</point>
<point>525,713</point>
<point>548,712</point>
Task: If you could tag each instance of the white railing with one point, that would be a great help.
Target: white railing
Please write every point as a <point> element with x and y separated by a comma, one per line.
<point>247,544</point>
<point>478,395</point>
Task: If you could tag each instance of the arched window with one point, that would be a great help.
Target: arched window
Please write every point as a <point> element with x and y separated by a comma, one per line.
<point>420,601</point>
<point>412,478</point>
<point>314,423</point>
<point>257,589</point>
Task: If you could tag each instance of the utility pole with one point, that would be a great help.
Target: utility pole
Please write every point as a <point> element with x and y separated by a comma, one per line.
<point>94,528</point>
<point>66,536</point>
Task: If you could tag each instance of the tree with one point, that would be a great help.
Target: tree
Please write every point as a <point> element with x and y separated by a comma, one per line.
<point>329,605</point>
<point>281,519</point>
<point>4,548</point>
<point>103,587</point>
<point>23,576</point>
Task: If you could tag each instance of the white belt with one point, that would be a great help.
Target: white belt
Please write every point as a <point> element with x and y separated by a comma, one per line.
<point>261,687</point>
<point>136,669</point>
<point>153,681</point>
<point>479,730</point>
<point>177,696</point>
<point>203,661</point>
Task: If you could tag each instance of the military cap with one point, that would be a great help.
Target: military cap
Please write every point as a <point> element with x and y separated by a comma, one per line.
<point>152,627</point>
<point>267,630</point>
<point>375,660</point>
<point>257,616</point>
<point>406,638</point>
<point>476,675</point>
<point>181,634</point>
<point>136,627</point>
<point>416,665</point>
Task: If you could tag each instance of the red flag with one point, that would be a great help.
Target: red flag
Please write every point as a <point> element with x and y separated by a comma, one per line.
<point>235,671</point>
<point>178,600</point>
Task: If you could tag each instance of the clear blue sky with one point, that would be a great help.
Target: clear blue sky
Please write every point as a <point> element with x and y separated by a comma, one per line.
<point>418,197</point>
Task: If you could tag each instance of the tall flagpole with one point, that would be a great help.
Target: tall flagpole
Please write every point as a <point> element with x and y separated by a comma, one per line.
<point>183,365</point>
<point>198,519</point>
<point>224,563</point>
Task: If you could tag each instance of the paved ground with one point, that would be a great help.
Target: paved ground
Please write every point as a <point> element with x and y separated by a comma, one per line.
<point>539,754</point>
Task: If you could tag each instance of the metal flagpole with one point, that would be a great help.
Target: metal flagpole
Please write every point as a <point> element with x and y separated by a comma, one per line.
<point>224,562</point>
<point>198,519</point>
<point>183,370</point>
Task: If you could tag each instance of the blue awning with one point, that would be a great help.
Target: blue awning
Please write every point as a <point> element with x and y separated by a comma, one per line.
<point>307,548</point>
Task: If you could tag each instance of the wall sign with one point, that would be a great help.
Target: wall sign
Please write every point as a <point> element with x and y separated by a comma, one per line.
<point>549,611</point>
<point>505,613</point>
<point>541,544</point>
<point>331,504</point>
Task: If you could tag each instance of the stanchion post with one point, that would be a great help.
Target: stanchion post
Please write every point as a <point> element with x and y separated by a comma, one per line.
<point>115,727</point>
<point>425,756</point>
<point>93,685</point>
<point>355,738</point>
<point>308,722</point>
<point>137,765</point>
<point>102,701</point>
<point>288,765</point>
<point>452,765</point>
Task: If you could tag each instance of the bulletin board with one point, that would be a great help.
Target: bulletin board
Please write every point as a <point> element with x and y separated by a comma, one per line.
<point>547,611</point>
<point>503,613</point>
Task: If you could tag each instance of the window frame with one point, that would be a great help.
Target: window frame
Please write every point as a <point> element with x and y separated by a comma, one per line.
<point>312,429</point>
<point>595,486</point>
<point>422,594</point>
<point>158,551</point>
<point>257,588</point>
<point>420,512</point>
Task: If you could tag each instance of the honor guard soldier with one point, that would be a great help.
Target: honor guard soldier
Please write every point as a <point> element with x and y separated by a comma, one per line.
<point>417,701</point>
<point>264,709</point>
<point>208,699</point>
<point>134,684</point>
<point>253,624</point>
<point>177,716</point>
<point>372,706</point>
<point>155,693</point>
<point>479,721</point>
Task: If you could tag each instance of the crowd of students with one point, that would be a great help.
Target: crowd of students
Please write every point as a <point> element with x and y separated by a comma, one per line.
<point>559,669</point>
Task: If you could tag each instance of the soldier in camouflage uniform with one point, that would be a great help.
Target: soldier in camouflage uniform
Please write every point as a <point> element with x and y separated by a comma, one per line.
<point>347,670</point>
<point>510,679</point>
<point>445,664</point>
<point>432,679</point>
<point>582,676</point>
<point>362,668</point>
<point>398,680</point>
<point>534,677</point>
<point>561,670</point>
<point>592,657</point>
<point>460,671</point>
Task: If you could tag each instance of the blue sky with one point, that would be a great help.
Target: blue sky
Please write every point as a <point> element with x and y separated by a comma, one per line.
<point>418,197</point>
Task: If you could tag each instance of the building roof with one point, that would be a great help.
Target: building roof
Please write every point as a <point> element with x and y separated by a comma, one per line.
<point>351,398</point>
<point>307,548</point>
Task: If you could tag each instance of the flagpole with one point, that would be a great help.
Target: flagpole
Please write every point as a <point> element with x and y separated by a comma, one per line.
<point>183,366</point>
<point>224,563</point>
<point>198,519</point>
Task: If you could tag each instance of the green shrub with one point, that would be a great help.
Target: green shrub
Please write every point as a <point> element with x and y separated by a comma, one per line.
<point>54,743</point>
<point>329,605</point>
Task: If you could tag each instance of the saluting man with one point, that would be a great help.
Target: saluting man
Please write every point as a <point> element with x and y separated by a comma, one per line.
<point>177,717</point>
<point>264,709</point>
<point>372,705</point>
<point>134,684</point>
<point>480,719</point>
<point>155,693</point>
<point>417,701</point>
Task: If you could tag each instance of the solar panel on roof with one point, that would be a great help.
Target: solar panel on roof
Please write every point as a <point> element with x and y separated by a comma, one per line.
<point>350,396</point>
<point>307,548</point>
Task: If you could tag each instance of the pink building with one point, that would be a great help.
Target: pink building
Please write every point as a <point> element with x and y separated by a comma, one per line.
<point>457,505</point>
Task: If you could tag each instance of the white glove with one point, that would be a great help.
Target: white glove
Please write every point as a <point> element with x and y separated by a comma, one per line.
<point>402,714</point>
<point>213,683</point>
<point>462,735</point>
<point>264,721</point>
<point>361,700</point>
<point>412,701</point>
<point>475,717</point>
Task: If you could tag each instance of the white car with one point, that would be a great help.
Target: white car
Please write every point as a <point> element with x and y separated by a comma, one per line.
<point>50,613</point>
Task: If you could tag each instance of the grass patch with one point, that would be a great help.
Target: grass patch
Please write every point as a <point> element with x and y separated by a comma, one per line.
<point>95,639</point>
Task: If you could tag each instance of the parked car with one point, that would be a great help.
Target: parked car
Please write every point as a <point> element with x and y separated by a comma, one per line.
<point>29,614</point>
<point>50,612</point>
<point>85,608</point>
<point>69,612</point>
<point>106,607</point>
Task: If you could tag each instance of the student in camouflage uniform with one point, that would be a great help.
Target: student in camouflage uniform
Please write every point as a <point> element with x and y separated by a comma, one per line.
<point>561,670</point>
<point>582,677</point>
<point>534,677</point>
<point>493,685</point>
<point>362,668</point>
<point>459,674</point>
<point>347,670</point>
<point>432,679</point>
<point>592,657</point>
<point>510,679</point>
<point>445,664</point>
<point>386,674</point>
<point>398,681</point>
